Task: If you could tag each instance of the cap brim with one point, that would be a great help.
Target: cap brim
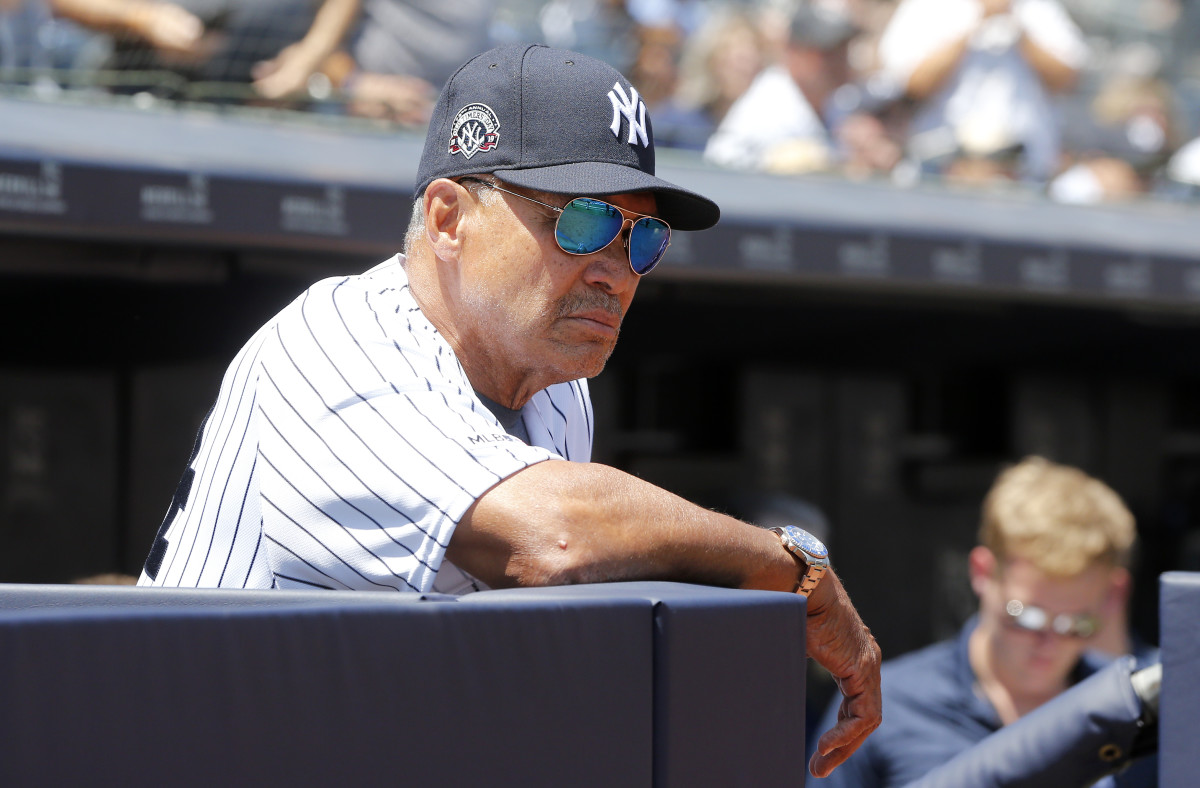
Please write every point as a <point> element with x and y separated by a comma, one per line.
<point>680,208</point>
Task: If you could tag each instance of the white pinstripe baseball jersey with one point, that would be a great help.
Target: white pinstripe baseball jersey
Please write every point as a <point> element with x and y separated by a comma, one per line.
<point>344,446</point>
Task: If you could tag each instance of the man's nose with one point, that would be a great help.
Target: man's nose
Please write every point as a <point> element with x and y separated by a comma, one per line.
<point>609,268</point>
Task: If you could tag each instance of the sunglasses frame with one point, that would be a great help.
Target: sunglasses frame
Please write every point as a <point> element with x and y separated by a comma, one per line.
<point>1082,625</point>
<point>625,221</point>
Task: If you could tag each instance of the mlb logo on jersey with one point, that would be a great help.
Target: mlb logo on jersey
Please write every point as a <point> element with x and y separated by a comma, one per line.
<point>475,128</point>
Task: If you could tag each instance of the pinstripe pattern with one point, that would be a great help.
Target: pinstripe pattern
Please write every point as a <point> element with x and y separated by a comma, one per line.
<point>345,445</point>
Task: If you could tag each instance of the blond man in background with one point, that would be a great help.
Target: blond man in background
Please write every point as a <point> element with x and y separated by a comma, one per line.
<point>1052,575</point>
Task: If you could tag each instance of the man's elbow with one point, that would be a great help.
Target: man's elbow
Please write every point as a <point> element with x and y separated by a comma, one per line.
<point>1057,75</point>
<point>567,559</point>
<point>557,564</point>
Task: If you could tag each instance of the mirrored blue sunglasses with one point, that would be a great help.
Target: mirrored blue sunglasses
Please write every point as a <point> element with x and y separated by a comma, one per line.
<point>586,225</point>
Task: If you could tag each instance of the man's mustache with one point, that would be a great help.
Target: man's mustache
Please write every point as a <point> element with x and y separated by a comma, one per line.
<point>586,301</point>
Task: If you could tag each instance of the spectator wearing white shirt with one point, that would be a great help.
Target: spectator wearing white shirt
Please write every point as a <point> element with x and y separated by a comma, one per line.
<point>982,73</point>
<point>717,65</point>
<point>777,123</point>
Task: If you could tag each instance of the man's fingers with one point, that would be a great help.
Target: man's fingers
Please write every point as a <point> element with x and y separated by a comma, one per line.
<point>856,720</point>
<point>838,744</point>
<point>850,730</point>
<point>173,28</point>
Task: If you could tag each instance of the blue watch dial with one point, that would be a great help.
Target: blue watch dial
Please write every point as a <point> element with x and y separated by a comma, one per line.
<point>809,543</point>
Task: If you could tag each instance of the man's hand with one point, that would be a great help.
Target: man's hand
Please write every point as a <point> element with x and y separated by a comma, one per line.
<point>287,72</point>
<point>396,97</point>
<point>840,642</point>
<point>166,27</point>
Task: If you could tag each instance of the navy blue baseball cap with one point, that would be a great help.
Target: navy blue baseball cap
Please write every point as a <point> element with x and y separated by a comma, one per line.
<point>555,121</point>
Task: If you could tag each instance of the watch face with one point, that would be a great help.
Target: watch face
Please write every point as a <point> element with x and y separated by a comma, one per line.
<point>807,542</point>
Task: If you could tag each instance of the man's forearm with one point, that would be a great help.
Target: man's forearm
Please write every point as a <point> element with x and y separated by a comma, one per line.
<point>109,15</point>
<point>1055,74</point>
<point>560,522</point>
<point>330,26</point>
<point>932,72</point>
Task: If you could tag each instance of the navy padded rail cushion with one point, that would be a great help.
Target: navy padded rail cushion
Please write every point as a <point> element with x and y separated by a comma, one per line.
<point>729,681</point>
<point>167,687</point>
<point>1179,724</point>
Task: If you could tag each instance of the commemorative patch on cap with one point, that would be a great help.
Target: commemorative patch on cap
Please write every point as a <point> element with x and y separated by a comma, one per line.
<point>475,128</point>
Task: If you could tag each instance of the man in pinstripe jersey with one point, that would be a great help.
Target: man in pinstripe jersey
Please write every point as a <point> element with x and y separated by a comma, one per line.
<point>426,425</point>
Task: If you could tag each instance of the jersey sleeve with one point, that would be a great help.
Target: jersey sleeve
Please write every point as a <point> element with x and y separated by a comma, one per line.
<point>372,442</point>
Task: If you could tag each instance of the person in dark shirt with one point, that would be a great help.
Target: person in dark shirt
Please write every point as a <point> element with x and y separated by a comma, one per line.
<point>1051,575</point>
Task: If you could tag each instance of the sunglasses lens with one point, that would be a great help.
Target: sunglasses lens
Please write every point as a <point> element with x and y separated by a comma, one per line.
<point>1085,626</point>
<point>1032,619</point>
<point>648,241</point>
<point>587,226</point>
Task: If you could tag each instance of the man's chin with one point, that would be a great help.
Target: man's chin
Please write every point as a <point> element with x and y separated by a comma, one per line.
<point>583,359</point>
<point>1039,675</point>
<point>595,367</point>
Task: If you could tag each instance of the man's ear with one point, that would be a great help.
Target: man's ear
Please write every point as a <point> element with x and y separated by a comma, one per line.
<point>445,208</point>
<point>981,563</point>
<point>1121,586</point>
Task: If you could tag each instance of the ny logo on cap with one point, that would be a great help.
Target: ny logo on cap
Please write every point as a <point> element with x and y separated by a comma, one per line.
<point>633,109</point>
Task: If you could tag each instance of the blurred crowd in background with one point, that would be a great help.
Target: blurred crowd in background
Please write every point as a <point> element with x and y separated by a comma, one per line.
<point>1086,101</point>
